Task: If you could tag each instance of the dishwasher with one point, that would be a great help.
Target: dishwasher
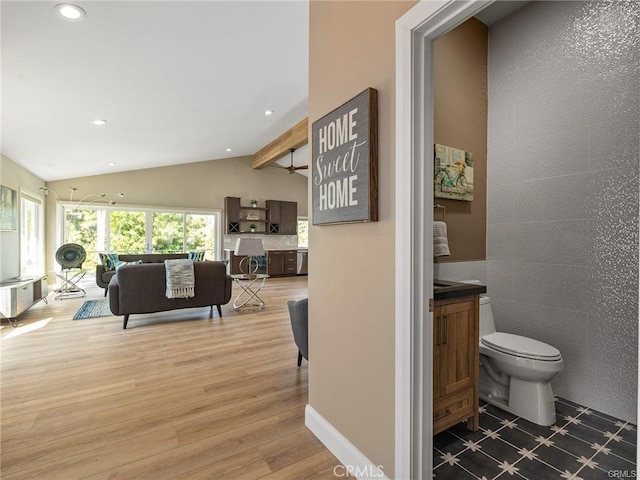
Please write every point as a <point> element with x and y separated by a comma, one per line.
<point>302,262</point>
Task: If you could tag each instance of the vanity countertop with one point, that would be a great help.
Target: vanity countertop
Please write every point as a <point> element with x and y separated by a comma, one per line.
<point>445,289</point>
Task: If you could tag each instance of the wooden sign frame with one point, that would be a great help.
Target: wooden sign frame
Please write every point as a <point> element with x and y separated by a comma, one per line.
<point>344,162</point>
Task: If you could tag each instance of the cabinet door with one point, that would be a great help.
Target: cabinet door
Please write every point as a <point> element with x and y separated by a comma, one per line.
<point>273,216</point>
<point>290,262</point>
<point>288,218</point>
<point>455,364</point>
<point>455,338</point>
<point>232,215</point>
<point>234,265</point>
<point>276,262</point>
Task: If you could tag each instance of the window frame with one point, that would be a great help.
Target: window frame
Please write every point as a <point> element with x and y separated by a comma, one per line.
<point>149,211</point>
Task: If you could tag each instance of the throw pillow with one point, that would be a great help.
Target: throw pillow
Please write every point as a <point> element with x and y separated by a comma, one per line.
<point>109,261</point>
<point>195,256</point>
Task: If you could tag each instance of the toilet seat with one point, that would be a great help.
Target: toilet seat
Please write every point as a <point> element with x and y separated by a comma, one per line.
<point>520,346</point>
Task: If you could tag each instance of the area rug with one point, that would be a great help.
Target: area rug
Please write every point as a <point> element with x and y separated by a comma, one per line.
<point>93,309</point>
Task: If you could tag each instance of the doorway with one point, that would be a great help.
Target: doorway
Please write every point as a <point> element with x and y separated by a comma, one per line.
<point>415,33</point>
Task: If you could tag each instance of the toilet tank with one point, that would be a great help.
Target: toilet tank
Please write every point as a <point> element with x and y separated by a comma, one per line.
<point>487,325</point>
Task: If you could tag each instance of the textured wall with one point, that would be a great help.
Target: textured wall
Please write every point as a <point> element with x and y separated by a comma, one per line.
<point>563,191</point>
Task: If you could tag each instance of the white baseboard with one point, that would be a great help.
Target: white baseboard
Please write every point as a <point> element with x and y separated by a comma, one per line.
<point>354,463</point>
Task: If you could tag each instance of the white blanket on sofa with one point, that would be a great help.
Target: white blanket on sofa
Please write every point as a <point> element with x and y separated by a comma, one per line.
<point>180,278</point>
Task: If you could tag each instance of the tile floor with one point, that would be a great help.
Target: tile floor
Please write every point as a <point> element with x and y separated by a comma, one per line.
<point>582,445</point>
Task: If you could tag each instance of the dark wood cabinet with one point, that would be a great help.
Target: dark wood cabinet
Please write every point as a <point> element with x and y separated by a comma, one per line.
<point>282,217</point>
<point>278,218</point>
<point>455,363</point>
<point>239,218</point>
<point>232,214</point>
<point>290,262</point>
<point>275,263</point>
<point>288,218</point>
<point>273,216</point>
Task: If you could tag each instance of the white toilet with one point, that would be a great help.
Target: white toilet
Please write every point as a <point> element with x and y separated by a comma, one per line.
<point>515,371</point>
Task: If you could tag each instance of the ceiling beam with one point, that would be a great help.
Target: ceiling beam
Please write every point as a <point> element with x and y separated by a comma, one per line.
<point>295,137</point>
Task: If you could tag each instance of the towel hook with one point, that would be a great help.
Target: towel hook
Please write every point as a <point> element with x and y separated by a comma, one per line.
<point>437,205</point>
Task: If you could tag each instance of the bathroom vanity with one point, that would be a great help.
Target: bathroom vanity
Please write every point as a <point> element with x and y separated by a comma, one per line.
<point>455,354</point>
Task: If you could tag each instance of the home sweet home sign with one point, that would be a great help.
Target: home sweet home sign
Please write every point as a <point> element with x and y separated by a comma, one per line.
<point>344,164</point>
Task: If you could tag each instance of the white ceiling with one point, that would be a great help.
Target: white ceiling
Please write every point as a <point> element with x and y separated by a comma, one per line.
<point>177,82</point>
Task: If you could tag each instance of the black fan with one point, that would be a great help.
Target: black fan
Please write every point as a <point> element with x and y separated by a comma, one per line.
<point>292,169</point>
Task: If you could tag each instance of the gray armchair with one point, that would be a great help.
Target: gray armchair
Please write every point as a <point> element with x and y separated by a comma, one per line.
<point>299,314</point>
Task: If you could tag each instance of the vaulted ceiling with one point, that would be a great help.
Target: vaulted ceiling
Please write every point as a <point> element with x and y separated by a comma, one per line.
<point>177,82</point>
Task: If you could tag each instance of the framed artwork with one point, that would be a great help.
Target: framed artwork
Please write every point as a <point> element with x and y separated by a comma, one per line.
<point>453,176</point>
<point>344,162</point>
<point>8,209</point>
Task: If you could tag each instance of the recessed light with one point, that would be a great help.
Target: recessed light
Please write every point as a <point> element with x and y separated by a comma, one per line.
<point>228,149</point>
<point>112,164</point>
<point>99,122</point>
<point>70,12</point>
<point>268,112</point>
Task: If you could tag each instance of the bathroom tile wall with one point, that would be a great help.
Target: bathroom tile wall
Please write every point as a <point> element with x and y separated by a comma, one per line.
<point>562,234</point>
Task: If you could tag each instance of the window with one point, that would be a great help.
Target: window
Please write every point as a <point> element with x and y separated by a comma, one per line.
<point>31,236</point>
<point>131,230</point>
<point>303,232</point>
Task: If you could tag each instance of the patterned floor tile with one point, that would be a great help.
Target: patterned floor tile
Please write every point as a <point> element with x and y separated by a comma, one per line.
<point>583,444</point>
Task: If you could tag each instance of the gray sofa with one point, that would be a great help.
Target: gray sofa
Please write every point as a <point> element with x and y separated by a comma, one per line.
<point>103,277</point>
<point>141,289</point>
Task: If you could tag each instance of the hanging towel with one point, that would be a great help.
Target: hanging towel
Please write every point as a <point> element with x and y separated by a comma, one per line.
<point>180,278</point>
<point>440,241</point>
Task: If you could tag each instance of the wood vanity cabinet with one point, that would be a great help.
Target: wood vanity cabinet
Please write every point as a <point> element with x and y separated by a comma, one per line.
<point>455,362</point>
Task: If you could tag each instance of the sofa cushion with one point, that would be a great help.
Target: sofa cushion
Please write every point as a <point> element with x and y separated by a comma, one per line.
<point>120,263</point>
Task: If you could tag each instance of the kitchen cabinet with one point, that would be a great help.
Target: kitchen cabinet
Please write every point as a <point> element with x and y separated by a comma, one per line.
<point>290,262</point>
<point>288,218</point>
<point>455,362</point>
<point>239,218</point>
<point>279,217</point>
<point>282,217</point>
<point>275,263</point>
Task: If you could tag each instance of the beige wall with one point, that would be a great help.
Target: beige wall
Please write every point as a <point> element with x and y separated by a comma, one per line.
<point>460,121</point>
<point>351,282</point>
<point>201,185</point>
<point>17,178</point>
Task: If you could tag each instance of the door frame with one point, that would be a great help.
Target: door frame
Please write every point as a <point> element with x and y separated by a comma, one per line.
<point>415,32</point>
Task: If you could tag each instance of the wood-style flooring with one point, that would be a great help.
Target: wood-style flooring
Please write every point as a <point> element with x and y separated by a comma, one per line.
<point>178,395</point>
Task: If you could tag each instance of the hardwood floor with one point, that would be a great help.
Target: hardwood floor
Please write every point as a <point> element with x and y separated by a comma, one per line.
<point>178,395</point>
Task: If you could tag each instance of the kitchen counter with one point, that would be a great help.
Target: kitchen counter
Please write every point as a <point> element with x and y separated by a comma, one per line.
<point>445,289</point>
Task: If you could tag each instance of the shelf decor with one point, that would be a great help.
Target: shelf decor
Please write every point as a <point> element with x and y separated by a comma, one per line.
<point>8,209</point>
<point>344,162</point>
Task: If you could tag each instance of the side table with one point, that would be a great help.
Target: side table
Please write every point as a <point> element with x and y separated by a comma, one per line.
<point>250,284</point>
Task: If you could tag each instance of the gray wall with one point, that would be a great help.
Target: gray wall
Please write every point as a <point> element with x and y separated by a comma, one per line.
<point>562,235</point>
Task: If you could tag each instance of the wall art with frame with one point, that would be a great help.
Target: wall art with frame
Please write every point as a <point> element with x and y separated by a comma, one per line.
<point>8,208</point>
<point>344,163</point>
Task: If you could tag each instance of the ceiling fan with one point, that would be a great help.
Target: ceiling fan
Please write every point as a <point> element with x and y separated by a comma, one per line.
<point>292,169</point>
